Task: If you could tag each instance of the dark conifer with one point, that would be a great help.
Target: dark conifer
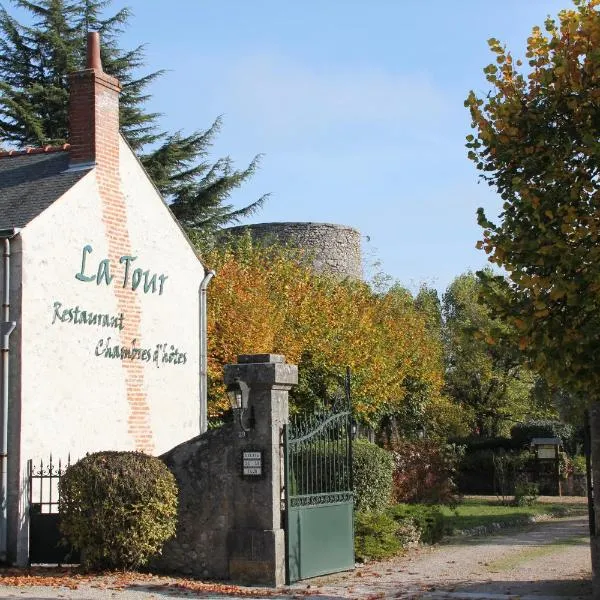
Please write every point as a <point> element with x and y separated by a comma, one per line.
<point>34,62</point>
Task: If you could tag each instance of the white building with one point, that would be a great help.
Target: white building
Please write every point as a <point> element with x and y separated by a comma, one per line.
<point>104,291</point>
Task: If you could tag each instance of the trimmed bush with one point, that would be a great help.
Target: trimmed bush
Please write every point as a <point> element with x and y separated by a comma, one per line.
<point>375,536</point>
<point>474,444</point>
<point>118,508</point>
<point>373,470</point>
<point>523,433</point>
<point>429,520</point>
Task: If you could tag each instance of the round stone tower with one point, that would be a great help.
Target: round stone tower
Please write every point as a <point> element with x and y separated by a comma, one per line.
<point>334,249</point>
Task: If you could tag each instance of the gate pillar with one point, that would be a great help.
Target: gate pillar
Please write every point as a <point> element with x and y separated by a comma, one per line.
<point>256,544</point>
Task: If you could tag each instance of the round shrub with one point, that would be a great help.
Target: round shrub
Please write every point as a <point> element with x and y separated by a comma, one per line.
<point>373,470</point>
<point>118,508</point>
<point>375,536</point>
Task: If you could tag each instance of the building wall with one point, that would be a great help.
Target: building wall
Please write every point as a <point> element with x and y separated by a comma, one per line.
<point>333,249</point>
<point>129,381</point>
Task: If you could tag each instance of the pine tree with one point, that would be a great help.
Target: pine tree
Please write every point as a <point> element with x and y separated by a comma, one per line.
<point>34,62</point>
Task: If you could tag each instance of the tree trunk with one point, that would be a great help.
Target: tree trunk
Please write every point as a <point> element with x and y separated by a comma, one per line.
<point>595,538</point>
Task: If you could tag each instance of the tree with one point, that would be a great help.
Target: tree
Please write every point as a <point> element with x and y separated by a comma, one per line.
<point>34,62</point>
<point>427,301</point>
<point>485,374</point>
<point>537,141</point>
<point>266,300</point>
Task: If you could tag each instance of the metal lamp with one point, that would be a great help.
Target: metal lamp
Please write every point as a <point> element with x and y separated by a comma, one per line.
<point>238,393</point>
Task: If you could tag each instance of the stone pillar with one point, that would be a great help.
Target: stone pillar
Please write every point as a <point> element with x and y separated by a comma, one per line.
<point>256,543</point>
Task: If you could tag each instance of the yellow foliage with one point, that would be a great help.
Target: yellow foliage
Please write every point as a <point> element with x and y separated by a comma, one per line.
<point>265,300</point>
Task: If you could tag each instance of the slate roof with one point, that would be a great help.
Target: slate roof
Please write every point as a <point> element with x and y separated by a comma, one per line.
<point>31,182</point>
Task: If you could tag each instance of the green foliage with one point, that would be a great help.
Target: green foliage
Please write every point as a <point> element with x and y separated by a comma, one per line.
<point>425,471</point>
<point>429,520</point>
<point>379,535</point>
<point>373,468</point>
<point>523,433</point>
<point>428,302</point>
<point>535,141</point>
<point>34,63</point>
<point>375,536</point>
<point>510,470</point>
<point>319,459</point>
<point>526,493</point>
<point>578,465</point>
<point>118,508</point>
<point>473,444</point>
<point>485,375</point>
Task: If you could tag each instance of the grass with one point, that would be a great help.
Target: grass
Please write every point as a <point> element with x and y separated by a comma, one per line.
<point>475,513</point>
<point>508,563</point>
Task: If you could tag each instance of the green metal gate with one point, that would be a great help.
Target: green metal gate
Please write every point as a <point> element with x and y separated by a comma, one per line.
<point>319,498</point>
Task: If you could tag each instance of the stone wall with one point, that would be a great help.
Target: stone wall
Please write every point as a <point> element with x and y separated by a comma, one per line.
<point>203,468</point>
<point>230,522</point>
<point>333,249</point>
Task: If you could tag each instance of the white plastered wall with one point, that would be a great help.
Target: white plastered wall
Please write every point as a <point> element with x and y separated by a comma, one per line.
<point>72,400</point>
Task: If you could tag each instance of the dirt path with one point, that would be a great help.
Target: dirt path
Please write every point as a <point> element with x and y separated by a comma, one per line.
<point>546,560</point>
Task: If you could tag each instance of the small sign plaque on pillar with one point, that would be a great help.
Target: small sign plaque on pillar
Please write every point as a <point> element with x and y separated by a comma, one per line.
<point>252,463</point>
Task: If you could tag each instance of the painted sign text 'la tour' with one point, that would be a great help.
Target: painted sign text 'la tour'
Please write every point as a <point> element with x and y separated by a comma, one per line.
<point>131,278</point>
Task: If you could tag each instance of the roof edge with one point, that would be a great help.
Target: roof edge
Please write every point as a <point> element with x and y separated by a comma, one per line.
<point>185,235</point>
<point>41,150</point>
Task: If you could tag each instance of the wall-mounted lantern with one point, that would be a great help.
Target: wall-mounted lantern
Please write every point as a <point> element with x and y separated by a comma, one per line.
<point>238,394</point>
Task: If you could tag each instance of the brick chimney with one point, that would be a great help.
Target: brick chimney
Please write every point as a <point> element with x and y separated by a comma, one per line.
<point>94,113</point>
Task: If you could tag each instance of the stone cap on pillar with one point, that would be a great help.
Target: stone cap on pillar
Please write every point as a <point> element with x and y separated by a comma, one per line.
<point>262,371</point>
<point>245,359</point>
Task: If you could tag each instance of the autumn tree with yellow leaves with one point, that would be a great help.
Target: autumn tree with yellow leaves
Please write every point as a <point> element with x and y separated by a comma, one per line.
<point>537,142</point>
<point>265,299</point>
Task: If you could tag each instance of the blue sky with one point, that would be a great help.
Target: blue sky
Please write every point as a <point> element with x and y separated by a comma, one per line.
<point>356,105</point>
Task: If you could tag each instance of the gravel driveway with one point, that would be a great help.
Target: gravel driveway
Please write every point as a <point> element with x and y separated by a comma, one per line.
<point>550,559</point>
<point>546,560</point>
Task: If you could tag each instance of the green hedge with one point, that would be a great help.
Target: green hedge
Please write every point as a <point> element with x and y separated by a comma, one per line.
<point>375,536</point>
<point>379,535</point>
<point>315,468</point>
<point>428,519</point>
<point>523,433</point>
<point>474,444</point>
<point>373,476</point>
<point>118,508</point>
